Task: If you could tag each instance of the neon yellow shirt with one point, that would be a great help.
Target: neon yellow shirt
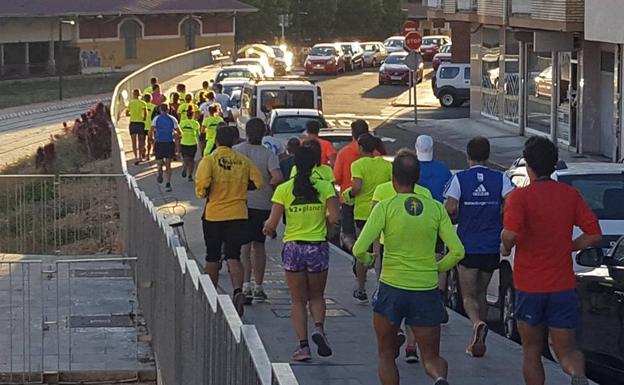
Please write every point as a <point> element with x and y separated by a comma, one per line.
<point>210,124</point>
<point>322,172</point>
<point>148,118</point>
<point>305,220</point>
<point>184,107</point>
<point>372,172</point>
<point>386,191</point>
<point>148,90</point>
<point>411,224</point>
<point>137,108</point>
<point>199,93</point>
<point>190,132</point>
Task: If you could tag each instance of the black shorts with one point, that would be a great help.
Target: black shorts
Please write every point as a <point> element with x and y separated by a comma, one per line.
<point>255,224</point>
<point>164,150</point>
<point>347,223</point>
<point>137,128</point>
<point>483,262</point>
<point>188,152</point>
<point>230,235</point>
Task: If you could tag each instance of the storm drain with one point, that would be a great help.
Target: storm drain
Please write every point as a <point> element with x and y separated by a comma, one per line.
<point>101,321</point>
<point>102,273</point>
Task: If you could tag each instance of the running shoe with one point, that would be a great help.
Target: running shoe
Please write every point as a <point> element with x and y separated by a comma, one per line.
<point>411,356</point>
<point>137,162</point>
<point>360,297</point>
<point>248,296</point>
<point>168,187</point>
<point>479,333</point>
<point>159,177</point>
<point>184,172</point>
<point>441,381</point>
<point>302,355</point>
<point>190,178</point>
<point>321,342</point>
<point>400,340</point>
<point>239,303</point>
<point>259,295</point>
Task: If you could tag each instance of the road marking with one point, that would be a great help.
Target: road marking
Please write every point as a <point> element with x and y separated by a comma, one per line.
<point>370,117</point>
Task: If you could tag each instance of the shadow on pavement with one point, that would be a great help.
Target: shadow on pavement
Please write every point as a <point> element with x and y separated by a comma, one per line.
<point>384,92</point>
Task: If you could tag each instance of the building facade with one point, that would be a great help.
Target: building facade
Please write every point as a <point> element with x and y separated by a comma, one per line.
<point>533,68</point>
<point>115,35</point>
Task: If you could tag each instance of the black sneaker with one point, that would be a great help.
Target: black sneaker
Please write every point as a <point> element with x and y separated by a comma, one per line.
<point>360,297</point>
<point>321,342</point>
<point>259,295</point>
<point>159,177</point>
<point>441,381</point>
<point>184,172</point>
<point>137,162</point>
<point>168,187</point>
<point>190,178</point>
<point>239,303</point>
<point>411,356</point>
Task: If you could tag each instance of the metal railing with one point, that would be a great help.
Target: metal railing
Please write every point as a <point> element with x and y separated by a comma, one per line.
<point>197,336</point>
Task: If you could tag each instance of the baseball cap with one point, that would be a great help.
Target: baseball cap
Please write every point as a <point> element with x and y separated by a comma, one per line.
<point>424,148</point>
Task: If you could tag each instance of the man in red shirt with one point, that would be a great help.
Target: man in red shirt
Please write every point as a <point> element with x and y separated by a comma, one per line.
<point>538,221</point>
<point>328,152</point>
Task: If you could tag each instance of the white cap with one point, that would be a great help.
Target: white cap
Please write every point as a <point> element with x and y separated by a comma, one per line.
<point>424,148</point>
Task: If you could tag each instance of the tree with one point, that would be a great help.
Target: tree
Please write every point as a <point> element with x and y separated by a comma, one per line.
<point>392,18</point>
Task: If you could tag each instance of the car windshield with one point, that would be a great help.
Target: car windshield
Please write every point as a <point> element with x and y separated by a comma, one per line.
<point>370,47</point>
<point>229,89</point>
<point>431,41</point>
<point>236,73</point>
<point>396,59</point>
<point>604,193</point>
<point>394,43</point>
<point>323,51</point>
<point>278,52</point>
<point>287,99</point>
<point>338,141</point>
<point>294,124</point>
<point>347,48</point>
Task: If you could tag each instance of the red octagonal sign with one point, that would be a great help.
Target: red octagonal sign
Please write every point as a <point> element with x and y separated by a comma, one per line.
<point>409,26</point>
<point>413,41</point>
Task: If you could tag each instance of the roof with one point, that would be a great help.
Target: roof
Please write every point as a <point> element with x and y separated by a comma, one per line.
<point>296,112</point>
<point>234,81</point>
<point>48,8</point>
<point>584,168</point>
<point>284,83</point>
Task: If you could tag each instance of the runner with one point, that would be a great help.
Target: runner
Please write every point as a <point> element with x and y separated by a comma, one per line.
<point>204,90</point>
<point>305,203</point>
<point>150,88</point>
<point>288,162</point>
<point>367,173</point>
<point>203,107</point>
<point>209,129</point>
<point>137,111</point>
<point>475,199</point>
<point>221,98</point>
<point>188,102</point>
<point>224,178</point>
<point>164,131</point>
<point>328,152</point>
<point>147,98</point>
<point>253,255</point>
<point>158,97</point>
<point>173,106</point>
<point>181,90</point>
<point>539,220</point>
<point>188,143</point>
<point>408,289</point>
<point>320,171</point>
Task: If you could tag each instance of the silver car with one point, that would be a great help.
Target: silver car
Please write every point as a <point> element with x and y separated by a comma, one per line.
<point>375,53</point>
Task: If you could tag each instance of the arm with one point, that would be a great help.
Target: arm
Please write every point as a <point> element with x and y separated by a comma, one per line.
<point>333,206</point>
<point>452,195</point>
<point>448,234</point>
<point>452,207</point>
<point>356,186</point>
<point>203,177</point>
<point>332,159</point>
<point>144,113</point>
<point>276,177</point>
<point>373,228</point>
<point>256,182</point>
<point>338,170</point>
<point>513,223</point>
<point>270,226</point>
<point>586,220</point>
<point>508,242</point>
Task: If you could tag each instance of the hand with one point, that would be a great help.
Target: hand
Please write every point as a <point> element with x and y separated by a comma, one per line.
<point>346,196</point>
<point>271,233</point>
<point>504,252</point>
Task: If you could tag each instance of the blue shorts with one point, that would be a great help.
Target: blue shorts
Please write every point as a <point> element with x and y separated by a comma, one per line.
<point>417,308</point>
<point>554,310</point>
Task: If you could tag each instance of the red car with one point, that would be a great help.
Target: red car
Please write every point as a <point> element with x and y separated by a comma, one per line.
<point>325,59</point>
<point>431,45</point>
<point>443,56</point>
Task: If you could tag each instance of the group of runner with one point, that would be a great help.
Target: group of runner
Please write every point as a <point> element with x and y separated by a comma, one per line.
<point>398,216</point>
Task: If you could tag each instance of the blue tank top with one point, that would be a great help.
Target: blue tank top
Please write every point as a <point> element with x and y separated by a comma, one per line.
<point>480,219</point>
<point>164,127</point>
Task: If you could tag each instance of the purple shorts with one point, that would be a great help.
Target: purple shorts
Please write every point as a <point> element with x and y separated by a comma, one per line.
<point>312,257</point>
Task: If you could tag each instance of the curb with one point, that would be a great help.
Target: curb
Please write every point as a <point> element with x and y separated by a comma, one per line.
<point>21,114</point>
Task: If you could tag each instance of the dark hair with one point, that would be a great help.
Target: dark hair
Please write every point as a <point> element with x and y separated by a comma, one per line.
<point>175,97</point>
<point>541,155</point>
<point>210,95</point>
<point>406,167</point>
<point>180,87</point>
<point>188,98</point>
<point>163,108</point>
<point>218,87</point>
<point>293,144</point>
<point>147,98</point>
<point>478,149</point>
<point>155,86</point>
<point>225,136</point>
<point>190,112</point>
<point>359,127</point>
<point>212,109</point>
<point>153,80</point>
<point>255,129</point>
<point>368,143</point>
<point>305,160</point>
<point>316,148</point>
<point>205,84</point>
<point>313,127</point>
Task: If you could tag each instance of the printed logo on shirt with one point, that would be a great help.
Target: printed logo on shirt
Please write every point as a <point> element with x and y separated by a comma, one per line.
<point>227,164</point>
<point>413,206</point>
<point>480,191</point>
<point>480,177</point>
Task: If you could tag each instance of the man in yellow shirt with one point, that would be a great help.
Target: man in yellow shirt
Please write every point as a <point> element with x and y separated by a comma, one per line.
<point>150,89</point>
<point>224,178</point>
<point>137,111</point>
<point>209,129</point>
<point>204,90</point>
<point>147,98</point>
<point>188,102</point>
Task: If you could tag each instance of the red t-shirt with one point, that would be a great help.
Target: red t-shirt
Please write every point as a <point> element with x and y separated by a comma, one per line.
<point>327,150</point>
<point>543,216</point>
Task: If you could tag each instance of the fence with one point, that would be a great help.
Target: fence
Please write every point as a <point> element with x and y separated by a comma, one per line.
<point>197,336</point>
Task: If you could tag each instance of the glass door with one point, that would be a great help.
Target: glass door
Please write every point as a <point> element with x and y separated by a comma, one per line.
<point>567,100</point>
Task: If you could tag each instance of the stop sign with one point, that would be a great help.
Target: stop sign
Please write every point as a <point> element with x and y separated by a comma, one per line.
<point>409,26</point>
<point>413,40</point>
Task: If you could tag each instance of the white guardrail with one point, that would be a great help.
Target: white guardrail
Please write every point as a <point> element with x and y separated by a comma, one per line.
<point>196,333</point>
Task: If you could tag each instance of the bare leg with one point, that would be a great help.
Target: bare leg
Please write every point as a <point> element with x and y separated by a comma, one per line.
<point>168,170</point>
<point>191,167</point>
<point>570,358</point>
<point>212,269</point>
<point>361,272</point>
<point>429,343</point>
<point>532,345</point>
<point>483,280</point>
<point>236,273</point>
<point>316,295</point>
<point>386,346</point>
<point>468,280</point>
<point>246,261</point>
<point>135,152</point>
<point>141,145</point>
<point>258,256</point>
<point>298,286</point>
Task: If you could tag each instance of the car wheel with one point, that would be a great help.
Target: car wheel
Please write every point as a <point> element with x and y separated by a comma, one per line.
<point>507,309</point>
<point>447,99</point>
<point>452,291</point>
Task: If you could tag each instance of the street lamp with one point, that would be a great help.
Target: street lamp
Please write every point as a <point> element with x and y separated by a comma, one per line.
<point>60,58</point>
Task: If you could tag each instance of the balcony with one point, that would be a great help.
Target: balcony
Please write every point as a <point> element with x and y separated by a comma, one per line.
<point>490,8</point>
<point>557,15</point>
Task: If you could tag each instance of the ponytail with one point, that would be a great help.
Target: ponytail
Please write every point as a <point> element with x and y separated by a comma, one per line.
<point>305,160</point>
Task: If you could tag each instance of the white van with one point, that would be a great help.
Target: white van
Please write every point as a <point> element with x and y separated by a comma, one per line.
<point>260,97</point>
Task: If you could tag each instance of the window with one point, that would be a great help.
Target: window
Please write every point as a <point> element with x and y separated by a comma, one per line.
<point>467,73</point>
<point>607,61</point>
<point>190,29</point>
<point>294,124</point>
<point>130,32</point>
<point>603,193</point>
<point>449,72</point>
<point>287,99</point>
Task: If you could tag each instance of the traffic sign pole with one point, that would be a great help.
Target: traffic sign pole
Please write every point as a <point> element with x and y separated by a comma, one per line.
<point>413,41</point>
<point>415,77</point>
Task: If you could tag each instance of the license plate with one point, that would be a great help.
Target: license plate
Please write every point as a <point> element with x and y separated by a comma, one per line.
<point>396,78</point>
<point>319,66</point>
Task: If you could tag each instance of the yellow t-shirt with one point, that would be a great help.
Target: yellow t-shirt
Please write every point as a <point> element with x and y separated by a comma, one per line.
<point>190,132</point>
<point>148,118</point>
<point>210,123</point>
<point>372,172</point>
<point>184,107</point>
<point>322,172</point>
<point>199,93</point>
<point>305,220</point>
<point>223,177</point>
<point>148,90</point>
<point>137,108</point>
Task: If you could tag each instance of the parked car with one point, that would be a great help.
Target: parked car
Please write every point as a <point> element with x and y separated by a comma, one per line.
<point>395,44</point>
<point>444,55</point>
<point>232,84</point>
<point>354,55</point>
<point>451,84</point>
<point>264,65</point>
<point>395,69</point>
<point>283,59</point>
<point>239,71</point>
<point>326,59</point>
<point>543,83</point>
<point>374,53</point>
<point>285,123</point>
<point>431,45</point>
